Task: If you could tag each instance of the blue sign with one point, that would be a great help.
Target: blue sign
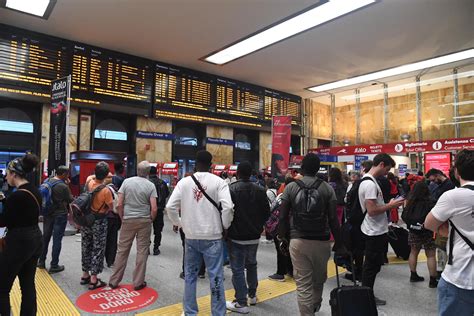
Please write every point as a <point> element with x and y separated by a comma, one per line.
<point>402,169</point>
<point>220,141</point>
<point>327,158</point>
<point>359,160</point>
<point>155,135</point>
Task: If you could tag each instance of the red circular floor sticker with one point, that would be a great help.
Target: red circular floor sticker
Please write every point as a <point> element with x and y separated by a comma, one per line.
<point>120,300</point>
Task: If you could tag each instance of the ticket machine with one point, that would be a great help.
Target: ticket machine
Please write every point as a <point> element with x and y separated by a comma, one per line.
<point>83,165</point>
<point>218,169</point>
<point>232,171</point>
<point>169,173</point>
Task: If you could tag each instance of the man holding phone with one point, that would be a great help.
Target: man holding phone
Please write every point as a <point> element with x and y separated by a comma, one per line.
<point>375,224</point>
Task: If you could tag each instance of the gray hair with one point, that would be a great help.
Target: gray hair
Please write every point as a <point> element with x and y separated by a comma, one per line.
<point>143,169</point>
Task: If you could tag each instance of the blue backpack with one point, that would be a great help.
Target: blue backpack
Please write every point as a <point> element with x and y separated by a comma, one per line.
<point>46,191</point>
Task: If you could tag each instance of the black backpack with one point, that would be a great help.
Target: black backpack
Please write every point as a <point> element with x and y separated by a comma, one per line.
<point>162,191</point>
<point>354,213</point>
<point>82,213</point>
<point>414,215</point>
<point>309,210</point>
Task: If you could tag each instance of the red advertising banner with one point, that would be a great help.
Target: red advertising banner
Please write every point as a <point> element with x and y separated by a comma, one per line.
<point>402,147</point>
<point>281,141</point>
<point>440,161</point>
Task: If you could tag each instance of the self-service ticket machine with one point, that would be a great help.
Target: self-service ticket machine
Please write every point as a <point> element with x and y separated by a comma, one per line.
<point>218,169</point>
<point>232,171</point>
<point>83,165</point>
<point>169,173</point>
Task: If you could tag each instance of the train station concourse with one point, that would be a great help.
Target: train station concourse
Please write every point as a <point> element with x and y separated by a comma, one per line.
<point>181,136</point>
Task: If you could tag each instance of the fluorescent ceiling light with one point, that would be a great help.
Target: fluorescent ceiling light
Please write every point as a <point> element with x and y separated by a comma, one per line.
<point>321,14</point>
<point>41,8</point>
<point>433,62</point>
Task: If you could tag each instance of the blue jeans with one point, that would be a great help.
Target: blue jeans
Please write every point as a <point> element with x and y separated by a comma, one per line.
<point>454,301</point>
<point>53,226</point>
<point>212,253</point>
<point>243,257</point>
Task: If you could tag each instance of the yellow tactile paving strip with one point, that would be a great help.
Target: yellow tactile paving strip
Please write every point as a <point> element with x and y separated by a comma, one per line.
<point>50,297</point>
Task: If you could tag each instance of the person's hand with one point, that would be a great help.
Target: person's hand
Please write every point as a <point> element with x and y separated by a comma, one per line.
<point>396,203</point>
<point>283,245</point>
<point>175,228</point>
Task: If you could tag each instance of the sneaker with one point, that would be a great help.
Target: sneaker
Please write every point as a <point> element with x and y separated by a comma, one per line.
<point>236,307</point>
<point>252,300</point>
<point>41,265</point>
<point>56,269</point>
<point>416,278</point>
<point>380,302</point>
<point>433,283</point>
<point>156,252</point>
<point>201,276</point>
<point>181,275</point>
<point>277,277</point>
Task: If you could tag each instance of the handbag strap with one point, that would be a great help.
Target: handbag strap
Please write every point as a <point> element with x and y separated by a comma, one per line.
<point>34,197</point>
<point>219,209</point>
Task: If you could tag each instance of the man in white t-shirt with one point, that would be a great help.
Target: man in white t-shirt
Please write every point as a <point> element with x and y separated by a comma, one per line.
<point>455,212</point>
<point>375,224</point>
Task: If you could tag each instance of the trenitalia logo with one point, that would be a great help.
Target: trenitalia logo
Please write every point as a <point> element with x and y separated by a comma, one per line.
<point>360,150</point>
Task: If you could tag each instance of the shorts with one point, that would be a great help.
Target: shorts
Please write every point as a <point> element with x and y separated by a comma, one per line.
<point>423,239</point>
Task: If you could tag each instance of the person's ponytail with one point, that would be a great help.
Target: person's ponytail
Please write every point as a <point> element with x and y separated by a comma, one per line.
<point>29,162</point>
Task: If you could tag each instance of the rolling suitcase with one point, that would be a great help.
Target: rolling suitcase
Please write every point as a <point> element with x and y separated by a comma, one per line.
<point>398,239</point>
<point>352,300</point>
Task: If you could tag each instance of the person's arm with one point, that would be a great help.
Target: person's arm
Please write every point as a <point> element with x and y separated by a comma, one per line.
<point>265,207</point>
<point>153,207</point>
<point>225,200</point>
<point>284,219</point>
<point>334,224</point>
<point>173,205</point>
<point>437,218</point>
<point>120,205</point>
<point>373,209</point>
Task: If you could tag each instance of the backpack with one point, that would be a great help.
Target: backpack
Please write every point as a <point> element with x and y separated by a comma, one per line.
<point>46,191</point>
<point>340,191</point>
<point>162,191</point>
<point>308,210</point>
<point>271,225</point>
<point>354,213</point>
<point>414,215</point>
<point>81,207</point>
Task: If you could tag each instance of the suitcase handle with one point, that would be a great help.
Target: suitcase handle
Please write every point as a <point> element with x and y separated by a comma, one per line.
<point>353,271</point>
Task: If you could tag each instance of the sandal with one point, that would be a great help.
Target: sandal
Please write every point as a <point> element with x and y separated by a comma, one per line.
<point>97,285</point>
<point>85,281</point>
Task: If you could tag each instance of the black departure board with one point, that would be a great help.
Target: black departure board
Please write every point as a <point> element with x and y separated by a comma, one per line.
<point>239,98</point>
<point>110,77</point>
<point>29,61</point>
<point>176,86</point>
<point>279,103</point>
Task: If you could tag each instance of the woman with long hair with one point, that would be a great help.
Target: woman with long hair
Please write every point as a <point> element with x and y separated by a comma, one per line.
<point>340,187</point>
<point>23,241</point>
<point>418,205</point>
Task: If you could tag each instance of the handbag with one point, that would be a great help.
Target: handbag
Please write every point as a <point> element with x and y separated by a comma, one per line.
<point>218,206</point>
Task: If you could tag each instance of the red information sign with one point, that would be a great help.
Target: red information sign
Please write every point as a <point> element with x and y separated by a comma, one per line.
<point>402,147</point>
<point>440,161</point>
<point>121,300</point>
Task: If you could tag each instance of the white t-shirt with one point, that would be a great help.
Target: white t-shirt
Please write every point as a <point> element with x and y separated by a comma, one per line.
<point>457,205</point>
<point>372,225</point>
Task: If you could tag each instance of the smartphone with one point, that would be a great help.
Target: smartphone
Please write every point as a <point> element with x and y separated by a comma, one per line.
<point>399,198</point>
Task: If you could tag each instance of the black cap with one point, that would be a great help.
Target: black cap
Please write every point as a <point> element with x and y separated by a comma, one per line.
<point>203,157</point>
<point>153,170</point>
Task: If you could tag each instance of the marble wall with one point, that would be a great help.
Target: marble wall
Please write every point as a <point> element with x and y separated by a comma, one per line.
<point>265,149</point>
<point>154,150</point>
<point>319,122</point>
<point>72,132</point>
<point>85,122</point>
<point>45,122</point>
<point>222,154</point>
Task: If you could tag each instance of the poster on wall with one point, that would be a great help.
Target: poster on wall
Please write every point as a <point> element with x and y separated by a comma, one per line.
<point>281,141</point>
<point>440,161</point>
<point>60,95</point>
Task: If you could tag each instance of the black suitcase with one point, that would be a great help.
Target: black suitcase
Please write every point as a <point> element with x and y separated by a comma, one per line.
<point>352,300</point>
<point>398,239</point>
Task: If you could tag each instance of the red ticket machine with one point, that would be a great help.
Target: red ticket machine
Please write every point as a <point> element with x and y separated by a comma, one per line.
<point>218,169</point>
<point>83,165</point>
<point>232,170</point>
<point>169,173</point>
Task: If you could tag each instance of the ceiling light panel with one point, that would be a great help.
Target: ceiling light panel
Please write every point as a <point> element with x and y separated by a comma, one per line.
<point>295,25</point>
<point>433,62</point>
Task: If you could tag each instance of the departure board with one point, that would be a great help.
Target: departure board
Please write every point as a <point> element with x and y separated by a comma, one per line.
<point>239,98</point>
<point>176,86</point>
<point>106,76</point>
<point>29,61</point>
<point>279,103</point>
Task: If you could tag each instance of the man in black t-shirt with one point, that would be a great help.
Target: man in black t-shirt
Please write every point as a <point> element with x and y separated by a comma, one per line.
<point>163,193</point>
<point>54,223</point>
<point>443,182</point>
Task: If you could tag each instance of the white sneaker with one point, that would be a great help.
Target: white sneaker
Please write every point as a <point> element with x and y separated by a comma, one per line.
<point>252,300</point>
<point>236,307</point>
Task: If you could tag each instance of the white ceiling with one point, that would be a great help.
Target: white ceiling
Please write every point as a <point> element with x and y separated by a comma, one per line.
<point>383,35</point>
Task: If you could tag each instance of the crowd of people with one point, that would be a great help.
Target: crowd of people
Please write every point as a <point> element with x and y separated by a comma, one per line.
<point>222,219</point>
